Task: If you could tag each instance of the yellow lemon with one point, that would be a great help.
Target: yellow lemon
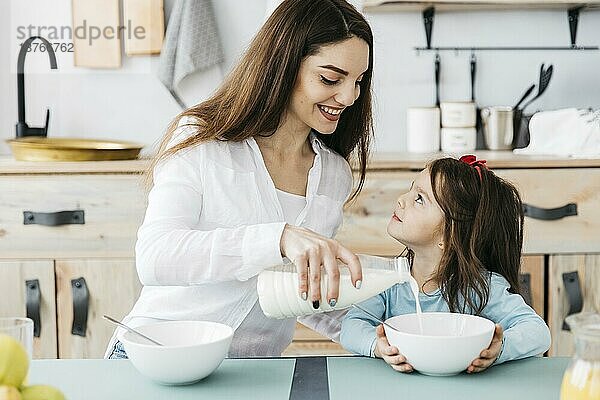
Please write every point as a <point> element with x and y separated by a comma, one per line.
<point>9,393</point>
<point>14,361</point>
<point>41,392</point>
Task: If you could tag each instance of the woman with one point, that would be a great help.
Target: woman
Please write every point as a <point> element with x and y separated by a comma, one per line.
<point>259,172</point>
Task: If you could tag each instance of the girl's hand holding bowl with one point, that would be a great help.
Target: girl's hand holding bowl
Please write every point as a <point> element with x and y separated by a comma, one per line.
<point>390,354</point>
<point>489,355</point>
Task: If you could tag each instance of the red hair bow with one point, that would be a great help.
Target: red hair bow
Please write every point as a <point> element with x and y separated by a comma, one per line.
<point>474,162</point>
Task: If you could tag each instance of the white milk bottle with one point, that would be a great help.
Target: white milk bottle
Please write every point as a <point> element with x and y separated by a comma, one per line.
<point>279,296</point>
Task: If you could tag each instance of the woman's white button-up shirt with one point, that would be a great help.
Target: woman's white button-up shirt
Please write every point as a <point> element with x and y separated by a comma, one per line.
<point>214,222</point>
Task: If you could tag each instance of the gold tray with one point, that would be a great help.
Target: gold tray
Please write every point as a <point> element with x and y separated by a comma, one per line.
<point>36,148</point>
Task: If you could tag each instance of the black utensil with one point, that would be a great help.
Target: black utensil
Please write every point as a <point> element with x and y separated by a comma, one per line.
<point>525,95</point>
<point>479,139</point>
<point>545,76</point>
<point>473,70</point>
<point>438,61</point>
<point>521,136</point>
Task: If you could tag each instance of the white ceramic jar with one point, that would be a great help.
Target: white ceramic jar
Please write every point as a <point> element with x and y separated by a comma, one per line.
<point>456,140</point>
<point>458,114</point>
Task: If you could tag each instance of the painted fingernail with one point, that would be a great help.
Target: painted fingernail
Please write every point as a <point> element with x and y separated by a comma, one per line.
<point>358,284</point>
<point>332,302</point>
<point>316,304</point>
<point>304,296</point>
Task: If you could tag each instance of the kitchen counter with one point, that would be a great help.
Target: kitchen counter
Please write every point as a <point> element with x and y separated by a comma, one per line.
<point>379,161</point>
<point>9,166</point>
<point>495,159</point>
<point>310,377</point>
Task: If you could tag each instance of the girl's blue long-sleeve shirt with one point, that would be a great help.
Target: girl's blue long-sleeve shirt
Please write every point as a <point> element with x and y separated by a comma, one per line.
<point>525,333</point>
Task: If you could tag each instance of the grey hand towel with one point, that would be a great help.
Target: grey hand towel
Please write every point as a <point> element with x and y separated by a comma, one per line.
<point>191,43</point>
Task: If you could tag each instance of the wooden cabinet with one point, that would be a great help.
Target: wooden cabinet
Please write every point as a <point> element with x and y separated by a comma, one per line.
<point>95,251</point>
<point>112,286</point>
<point>101,251</point>
<point>14,278</point>
<point>533,275</point>
<point>581,273</point>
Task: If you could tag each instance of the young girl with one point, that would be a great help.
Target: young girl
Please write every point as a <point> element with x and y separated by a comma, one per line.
<point>463,227</point>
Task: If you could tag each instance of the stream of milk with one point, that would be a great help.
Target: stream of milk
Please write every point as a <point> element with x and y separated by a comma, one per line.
<point>414,286</point>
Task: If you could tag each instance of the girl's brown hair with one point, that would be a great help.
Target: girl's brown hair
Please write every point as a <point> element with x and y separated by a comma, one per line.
<point>254,96</point>
<point>482,231</point>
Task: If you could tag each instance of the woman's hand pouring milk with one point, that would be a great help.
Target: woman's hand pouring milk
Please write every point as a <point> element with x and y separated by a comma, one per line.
<point>309,252</point>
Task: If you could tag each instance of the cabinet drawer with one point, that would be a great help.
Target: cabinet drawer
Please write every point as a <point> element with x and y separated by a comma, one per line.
<point>113,207</point>
<point>366,218</point>
<point>552,188</point>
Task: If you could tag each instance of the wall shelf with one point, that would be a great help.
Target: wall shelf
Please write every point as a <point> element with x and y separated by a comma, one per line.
<point>471,49</point>
<point>429,8</point>
<point>471,5</point>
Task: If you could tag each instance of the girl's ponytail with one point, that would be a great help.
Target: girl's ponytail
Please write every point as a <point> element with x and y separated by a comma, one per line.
<point>497,236</point>
<point>482,231</point>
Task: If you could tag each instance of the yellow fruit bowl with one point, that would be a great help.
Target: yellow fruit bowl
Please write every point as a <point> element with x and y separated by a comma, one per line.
<point>37,148</point>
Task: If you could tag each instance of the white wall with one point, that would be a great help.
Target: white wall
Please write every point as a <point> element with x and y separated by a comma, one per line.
<point>128,103</point>
<point>131,104</point>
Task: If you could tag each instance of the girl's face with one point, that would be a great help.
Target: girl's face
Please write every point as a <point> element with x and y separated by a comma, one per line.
<point>327,83</point>
<point>417,219</point>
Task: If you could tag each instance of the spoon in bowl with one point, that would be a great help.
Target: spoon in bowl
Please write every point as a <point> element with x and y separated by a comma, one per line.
<point>374,317</point>
<point>114,321</point>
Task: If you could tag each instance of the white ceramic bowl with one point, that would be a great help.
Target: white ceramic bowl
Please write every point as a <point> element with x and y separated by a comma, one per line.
<point>192,350</point>
<point>450,341</point>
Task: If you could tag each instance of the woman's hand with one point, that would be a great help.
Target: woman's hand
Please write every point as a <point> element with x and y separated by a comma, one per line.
<point>310,251</point>
<point>489,355</point>
<point>390,354</point>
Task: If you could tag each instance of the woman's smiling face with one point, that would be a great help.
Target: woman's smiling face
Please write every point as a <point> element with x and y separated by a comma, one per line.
<point>417,219</point>
<point>328,82</point>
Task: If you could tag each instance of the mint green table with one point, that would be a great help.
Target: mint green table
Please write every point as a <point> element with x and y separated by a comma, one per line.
<point>345,378</point>
<point>531,379</point>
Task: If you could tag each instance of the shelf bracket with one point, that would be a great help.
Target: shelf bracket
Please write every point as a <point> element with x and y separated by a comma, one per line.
<point>573,17</point>
<point>428,14</point>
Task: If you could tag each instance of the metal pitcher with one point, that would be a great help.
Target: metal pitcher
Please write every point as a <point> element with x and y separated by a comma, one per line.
<point>498,127</point>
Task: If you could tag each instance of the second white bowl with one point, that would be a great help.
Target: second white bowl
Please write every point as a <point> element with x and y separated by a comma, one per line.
<point>450,341</point>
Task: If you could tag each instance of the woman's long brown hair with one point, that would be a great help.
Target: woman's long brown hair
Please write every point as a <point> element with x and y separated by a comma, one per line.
<point>482,231</point>
<point>254,96</point>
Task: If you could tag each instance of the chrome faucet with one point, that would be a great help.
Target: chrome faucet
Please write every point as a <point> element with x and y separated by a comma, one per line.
<point>22,128</point>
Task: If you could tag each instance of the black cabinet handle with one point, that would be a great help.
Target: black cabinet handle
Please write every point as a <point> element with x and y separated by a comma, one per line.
<point>54,218</point>
<point>525,282</point>
<point>573,290</point>
<point>81,299</point>
<point>33,299</point>
<point>549,214</point>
